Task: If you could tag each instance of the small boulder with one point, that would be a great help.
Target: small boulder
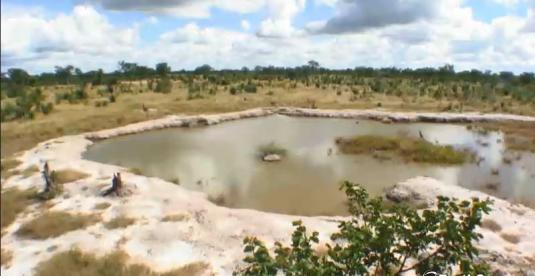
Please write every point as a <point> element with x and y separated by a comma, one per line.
<point>271,157</point>
<point>386,120</point>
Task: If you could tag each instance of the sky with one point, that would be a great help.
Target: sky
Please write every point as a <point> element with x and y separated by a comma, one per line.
<point>496,35</point>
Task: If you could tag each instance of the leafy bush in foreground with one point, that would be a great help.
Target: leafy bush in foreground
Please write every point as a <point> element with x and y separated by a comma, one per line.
<point>377,240</point>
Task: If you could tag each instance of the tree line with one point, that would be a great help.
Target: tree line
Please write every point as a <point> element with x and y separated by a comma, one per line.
<point>133,71</point>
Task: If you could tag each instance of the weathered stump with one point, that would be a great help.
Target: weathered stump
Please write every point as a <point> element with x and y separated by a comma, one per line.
<point>116,186</point>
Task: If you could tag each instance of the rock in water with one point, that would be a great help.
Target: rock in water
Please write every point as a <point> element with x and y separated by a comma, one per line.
<point>272,157</point>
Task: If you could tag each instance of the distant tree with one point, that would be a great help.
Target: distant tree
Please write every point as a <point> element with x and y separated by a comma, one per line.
<point>64,74</point>
<point>162,69</point>
<point>526,78</point>
<point>313,64</point>
<point>18,76</point>
<point>506,76</point>
<point>99,75</point>
<point>203,69</point>
<point>447,68</point>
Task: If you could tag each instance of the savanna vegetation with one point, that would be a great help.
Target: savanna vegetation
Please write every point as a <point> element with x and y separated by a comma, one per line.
<point>70,101</point>
<point>379,241</point>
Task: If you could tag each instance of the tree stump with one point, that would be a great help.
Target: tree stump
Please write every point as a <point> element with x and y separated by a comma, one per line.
<point>47,177</point>
<point>116,186</point>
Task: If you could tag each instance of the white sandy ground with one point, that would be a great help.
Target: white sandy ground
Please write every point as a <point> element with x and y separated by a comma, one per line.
<point>211,233</point>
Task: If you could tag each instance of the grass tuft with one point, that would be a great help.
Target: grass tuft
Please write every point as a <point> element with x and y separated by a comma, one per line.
<point>410,149</point>
<point>512,238</point>
<point>102,205</point>
<point>119,222</point>
<point>29,171</point>
<point>491,225</point>
<point>175,217</point>
<point>271,148</point>
<point>137,171</point>
<point>5,257</point>
<point>54,224</point>
<point>76,262</point>
<point>9,164</point>
<point>67,175</point>
<point>13,202</point>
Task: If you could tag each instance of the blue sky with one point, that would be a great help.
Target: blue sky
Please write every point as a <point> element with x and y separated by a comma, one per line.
<point>483,34</point>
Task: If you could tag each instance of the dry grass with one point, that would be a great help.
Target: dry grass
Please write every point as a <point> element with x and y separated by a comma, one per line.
<point>13,202</point>
<point>137,171</point>
<point>75,262</point>
<point>512,238</point>
<point>102,206</point>
<point>68,175</point>
<point>77,118</point>
<point>519,136</point>
<point>7,167</point>
<point>174,180</point>
<point>8,164</point>
<point>29,171</point>
<point>119,222</point>
<point>491,225</point>
<point>410,149</point>
<point>54,224</point>
<point>271,148</point>
<point>5,257</point>
<point>175,217</point>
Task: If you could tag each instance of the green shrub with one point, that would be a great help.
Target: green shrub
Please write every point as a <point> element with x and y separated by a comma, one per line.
<point>164,86</point>
<point>385,241</point>
<point>250,88</point>
<point>47,108</point>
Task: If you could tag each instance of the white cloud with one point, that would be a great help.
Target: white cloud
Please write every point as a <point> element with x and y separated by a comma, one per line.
<point>181,8</point>
<point>245,25</point>
<point>84,33</point>
<point>87,39</point>
<point>152,20</point>
<point>359,15</point>
<point>279,22</point>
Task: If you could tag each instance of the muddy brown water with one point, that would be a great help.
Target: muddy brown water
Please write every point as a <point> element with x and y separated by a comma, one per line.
<point>221,160</point>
